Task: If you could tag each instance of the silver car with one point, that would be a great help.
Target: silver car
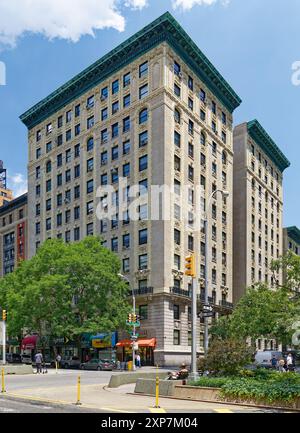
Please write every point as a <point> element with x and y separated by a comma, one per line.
<point>98,364</point>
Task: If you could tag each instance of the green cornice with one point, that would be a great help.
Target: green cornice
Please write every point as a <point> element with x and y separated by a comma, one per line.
<point>262,138</point>
<point>294,233</point>
<point>163,29</point>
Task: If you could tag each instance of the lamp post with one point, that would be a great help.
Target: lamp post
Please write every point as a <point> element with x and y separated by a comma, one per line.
<point>133,338</point>
<point>224,194</point>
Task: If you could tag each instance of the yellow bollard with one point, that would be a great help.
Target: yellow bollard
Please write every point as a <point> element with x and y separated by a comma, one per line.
<point>3,382</point>
<point>157,391</point>
<point>78,391</point>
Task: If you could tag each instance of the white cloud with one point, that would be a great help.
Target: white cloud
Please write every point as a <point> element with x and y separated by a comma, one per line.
<point>65,19</point>
<point>18,184</point>
<point>188,4</point>
<point>136,4</point>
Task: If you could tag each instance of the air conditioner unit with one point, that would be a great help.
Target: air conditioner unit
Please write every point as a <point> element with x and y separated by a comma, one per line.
<point>103,98</point>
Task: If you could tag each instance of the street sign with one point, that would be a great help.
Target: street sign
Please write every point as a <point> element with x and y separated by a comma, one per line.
<point>134,337</point>
<point>204,315</point>
<point>136,324</point>
<point>207,308</point>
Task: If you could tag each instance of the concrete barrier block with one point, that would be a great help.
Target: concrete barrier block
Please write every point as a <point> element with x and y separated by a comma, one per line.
<point>16,369</point>
<point>120,379</point>
<point>148,386</point>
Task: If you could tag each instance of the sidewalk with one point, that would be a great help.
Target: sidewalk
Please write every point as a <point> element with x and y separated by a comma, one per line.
<point>117,400</point>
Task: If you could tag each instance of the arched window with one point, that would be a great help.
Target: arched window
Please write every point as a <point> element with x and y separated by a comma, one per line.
<point>202,139</point>
<point>143,116</point>
<point>48,167</point>
<point>90,144</point>
<point>177,116</point>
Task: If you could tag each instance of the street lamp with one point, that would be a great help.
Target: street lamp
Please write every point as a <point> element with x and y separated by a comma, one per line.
<point>133,338</point>
<point>225,194</point>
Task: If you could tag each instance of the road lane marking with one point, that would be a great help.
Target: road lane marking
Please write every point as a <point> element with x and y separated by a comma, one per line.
<point>157,410</point>
<point>223,410</point>
<point>110,409</point>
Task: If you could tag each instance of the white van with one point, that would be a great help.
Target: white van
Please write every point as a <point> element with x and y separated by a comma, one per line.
<point>263,358</point>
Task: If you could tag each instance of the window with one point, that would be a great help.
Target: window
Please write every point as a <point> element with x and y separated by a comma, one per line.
<point>115,176</point>
<point>104,93</point>
<point>115,107</point>
<point>77,110</point>
<point>214,126</point>
<point>126,241</point>
<point>68,135</point>
<point>104,136</point>
<point>48,167</point>
<point>143,116</point>
<point>191,150</point>
<point>191,172</point>
<point>126,170</point>
<point>176,310</point>
<point>115,87</point>
<point>143,237</point>
<point>59,220</point>
<point>224,118</point>
<point>143,92</point>
<point>115,130</point>
<point>191,104</point>
<point>37,228</point>
<point>104,179</point>
<point>48,204</point>
<point>126,80</point>
<point>68,156</point>
<point>176,337</point>
<point>143,312</point>
<point>90,229</point>
<point>143,163</point>
<point>126,147</point>
<point>126,265</point>
<point>104,158</point>
<point>89,186</point>
<point>177,69</point>
<point>213,107</point>
<point>143,139</point>
<point>77,129</point>
<point>49,147</point>
<point>68,116</point>
<point>114,245</point>
<point>90,207</point>
<point>37,210</point>
<point>104,114</point>
<point>202,115</point>
<point>77,192</point>
<point>115,153</point>
<point>59,200</point>
<point>177,116</point>
<point>224,137</point>
<point>190,83</point>
<point>177,139</point>
<point>59,122</point>
<point>90,144</point>
<point>77,171</point>
<point>191,127</point>
<point>90,165</point>
<point>143,187</point>
<point>48,185</point>
<point>202,95</point>
<point>76,213</point>
<point>77,234</point>
<point>67,216</point>
<point>177,90</point>
<point>38,153</point>
<point>126,101</point>
<point>59,180</point>
<point>59,140</point>
<point>68,175</point>
<point>177,236</point>
<point>126,124</point>
<point>143,70</point>
<point>190,243</point>
<point>48,224</point>
<point>90,102</point>
<point>38,135</point>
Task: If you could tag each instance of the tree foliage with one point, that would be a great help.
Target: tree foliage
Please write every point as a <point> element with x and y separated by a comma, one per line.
<point>66,290</point>
<point>265,312</point>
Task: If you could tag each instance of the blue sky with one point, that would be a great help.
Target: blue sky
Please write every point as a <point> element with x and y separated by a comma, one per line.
<point>252,43</point>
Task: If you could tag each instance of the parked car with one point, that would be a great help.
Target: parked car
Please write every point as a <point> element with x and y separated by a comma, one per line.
<point>263,358</point>
<point>70,362</point>
<point>98,364</point>
<point>13,358</point>
<point>26,359</point>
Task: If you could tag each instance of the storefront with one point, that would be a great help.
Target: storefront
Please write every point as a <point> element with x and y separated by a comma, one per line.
<point>29,345</point>
<point>145,350</point>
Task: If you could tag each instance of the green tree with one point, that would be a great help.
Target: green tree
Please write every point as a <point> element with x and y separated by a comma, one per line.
<point>66,290</point>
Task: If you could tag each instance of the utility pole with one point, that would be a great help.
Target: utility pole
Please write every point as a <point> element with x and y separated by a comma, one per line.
<point>190,270</point>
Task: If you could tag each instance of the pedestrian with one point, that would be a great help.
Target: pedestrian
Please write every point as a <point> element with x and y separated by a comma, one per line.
<point>118,364</point>
<point>274,362</point>
<point>138,360</point>
<point>38,361</point>
<point>58,360</point>
<point>281,365</point>
<point>290,362</point>
<point>183,374</point>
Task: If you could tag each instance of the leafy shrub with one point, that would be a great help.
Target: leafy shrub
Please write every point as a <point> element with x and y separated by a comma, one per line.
<point>226,357</point>
<point>212,382</point>
<point>251,389</point>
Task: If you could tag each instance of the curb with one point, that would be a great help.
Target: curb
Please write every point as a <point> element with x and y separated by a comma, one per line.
<point>223,402</point>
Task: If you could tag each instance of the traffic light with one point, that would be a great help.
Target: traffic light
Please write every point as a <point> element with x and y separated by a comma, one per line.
<point>130,318</point>
<point>190,270</point>
<point>4,315</point>
<point>134,318</point>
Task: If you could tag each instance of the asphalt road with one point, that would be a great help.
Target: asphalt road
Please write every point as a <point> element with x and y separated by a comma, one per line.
<point>8,405</point>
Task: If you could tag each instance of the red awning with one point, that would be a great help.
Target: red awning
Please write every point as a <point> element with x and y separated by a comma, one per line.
<point>142,342</point>
<point>29,342</point>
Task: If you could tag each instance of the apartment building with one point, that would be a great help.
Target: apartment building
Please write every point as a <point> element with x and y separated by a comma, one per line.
<point>258,206</point>
<point>291,242</point>
<point>13,234</point>
<point>156,112</point>
<point>6,194</point>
